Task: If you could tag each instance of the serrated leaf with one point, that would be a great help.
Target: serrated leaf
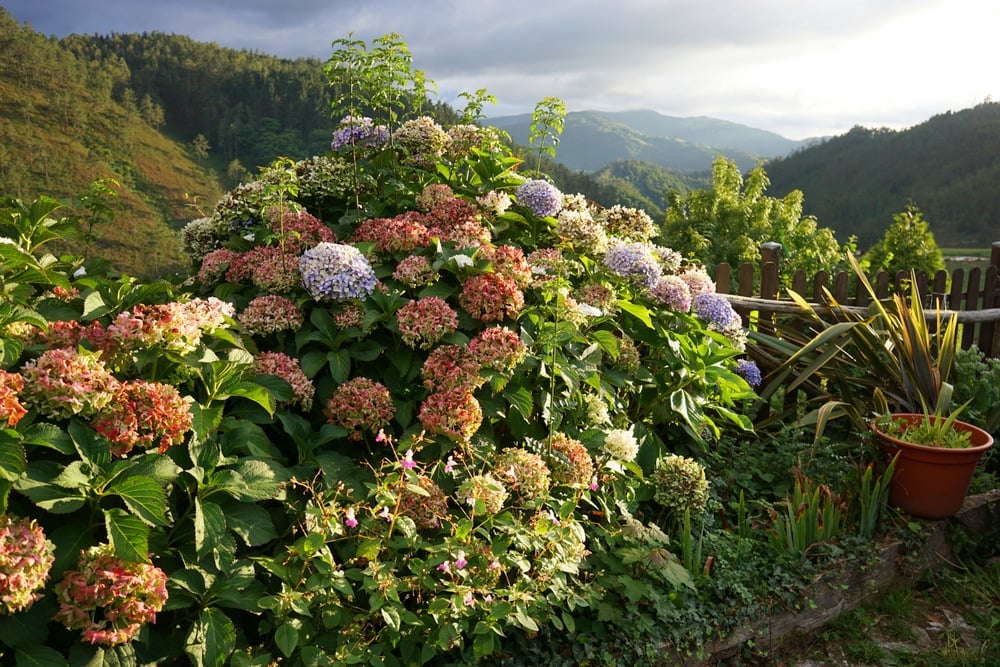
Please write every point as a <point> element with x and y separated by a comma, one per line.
<point>158,466</point>
<point>312,362</point>
<point>94,306</point>
<point>36,484</point>
<point>75,476</point>
<point>251,480</point>
<point>340,365</point>
<point>143,496</point>
<point>211,639</point>
<point>128,535</point>
<point>13,461</point>
<point>252,523</point>
<point>522,401</point>
<point>252,392</point>
<point>91,447</point>
<point>38,656</point>
<point>49,436</point>
<point>637,311</point>
<point>209,525</point>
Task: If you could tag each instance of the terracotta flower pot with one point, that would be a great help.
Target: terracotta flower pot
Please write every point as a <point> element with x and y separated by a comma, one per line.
<point>931,482</point>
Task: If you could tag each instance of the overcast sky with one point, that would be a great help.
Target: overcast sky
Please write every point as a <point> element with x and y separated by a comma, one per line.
<point>801,68</point>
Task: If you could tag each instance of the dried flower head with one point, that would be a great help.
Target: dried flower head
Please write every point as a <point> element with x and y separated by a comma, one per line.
<point>680,484</point>
<point>570,461</point>
<point>108,598</point>
<point>288,369</point>
<point>360,405</point>
<point>485,489</point>
<point>523,472</point>
<point>26,557</point>
<point>424,322</point>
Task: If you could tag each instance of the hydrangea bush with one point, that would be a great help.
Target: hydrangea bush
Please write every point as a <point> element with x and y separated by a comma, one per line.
<point>398,415</point>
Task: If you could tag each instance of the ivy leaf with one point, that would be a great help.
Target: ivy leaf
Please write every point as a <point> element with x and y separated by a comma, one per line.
<point>144,496</point>
<point>211,639</point>
<point>128,535</point>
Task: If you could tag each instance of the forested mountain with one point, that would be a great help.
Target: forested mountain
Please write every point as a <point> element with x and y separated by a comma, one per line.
<point>175,122</point>
<point>591,140</point>
<point>61,129</point>
<point>948,166</point>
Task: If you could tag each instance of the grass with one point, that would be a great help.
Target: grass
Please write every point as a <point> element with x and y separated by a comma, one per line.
<point>950,619</point>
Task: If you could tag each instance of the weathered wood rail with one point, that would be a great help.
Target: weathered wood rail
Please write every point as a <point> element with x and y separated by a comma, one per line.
<point>973,296</point>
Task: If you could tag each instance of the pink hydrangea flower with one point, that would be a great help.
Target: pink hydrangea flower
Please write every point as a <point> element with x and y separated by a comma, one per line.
<point>491,297</point>
<point>454,413</point>
<point>63,382</point>
<point>424,322</point>
<point>498,348</point>
<point>270,314</point>
<point>11,409</point>
<point>296,231</point>
<point>26,557</point>
<point>509,262</point>
<point>571,463</point>
<point>108,598</point>
<point>451,367</point>
<point>288,369</point>
<point>404,233</point>
<point>360,405</point>
<point>415,271</point>
<point>144,413</point>
<point>457,221</point>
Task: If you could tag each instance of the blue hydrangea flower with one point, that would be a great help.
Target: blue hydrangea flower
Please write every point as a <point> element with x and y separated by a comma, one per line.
<point>541,197</point>
<point>333,271</point>
<point>635,261</point>
<point>358,132</point>
<point>716,310</point>
<point>748,370</point>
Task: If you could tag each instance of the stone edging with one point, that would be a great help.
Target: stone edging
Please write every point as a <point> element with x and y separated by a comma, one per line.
<point>838,592</point>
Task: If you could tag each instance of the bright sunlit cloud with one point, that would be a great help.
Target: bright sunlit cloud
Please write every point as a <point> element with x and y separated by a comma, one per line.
<point>798,69</point>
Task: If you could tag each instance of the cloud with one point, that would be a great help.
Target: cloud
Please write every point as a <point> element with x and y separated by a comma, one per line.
<point>793,67</point>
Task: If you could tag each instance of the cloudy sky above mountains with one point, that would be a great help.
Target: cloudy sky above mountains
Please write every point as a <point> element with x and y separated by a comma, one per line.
<point>800,69</point>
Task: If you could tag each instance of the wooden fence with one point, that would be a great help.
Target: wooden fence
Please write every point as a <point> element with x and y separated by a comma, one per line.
<point>972,296</point>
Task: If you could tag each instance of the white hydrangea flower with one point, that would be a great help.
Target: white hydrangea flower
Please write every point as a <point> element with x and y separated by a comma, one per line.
<point>621,444</point>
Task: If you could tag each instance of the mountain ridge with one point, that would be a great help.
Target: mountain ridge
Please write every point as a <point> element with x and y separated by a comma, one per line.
<point>591,140</point>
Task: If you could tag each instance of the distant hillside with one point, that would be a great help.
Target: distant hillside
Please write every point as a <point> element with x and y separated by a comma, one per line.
<point>60,129</point>
<point>949,166</point>
<point>591,140</point>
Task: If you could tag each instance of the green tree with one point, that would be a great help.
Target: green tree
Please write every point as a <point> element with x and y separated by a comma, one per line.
<point>907,244</point>
<point>730,221</point>
<point>200,146</point>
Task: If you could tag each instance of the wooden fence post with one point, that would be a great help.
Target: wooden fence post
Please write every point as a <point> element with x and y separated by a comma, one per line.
<point>770,263</point>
